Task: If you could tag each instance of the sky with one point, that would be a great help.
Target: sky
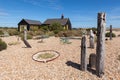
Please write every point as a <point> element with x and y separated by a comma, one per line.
<point>82,13</point>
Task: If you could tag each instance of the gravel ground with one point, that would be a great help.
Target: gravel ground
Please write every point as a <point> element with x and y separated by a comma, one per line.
<point>16,61</point>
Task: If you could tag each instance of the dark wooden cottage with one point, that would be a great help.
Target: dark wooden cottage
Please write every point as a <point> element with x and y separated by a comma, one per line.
<point>28,24</point>
<point>65,22</point>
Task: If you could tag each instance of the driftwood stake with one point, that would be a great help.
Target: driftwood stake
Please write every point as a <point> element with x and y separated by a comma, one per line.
<point>110,32</point>
<point>100,50</point>
<point>91,39</point>
<point>25,34</point>
<point>25,39</point>
<point>83,54</point>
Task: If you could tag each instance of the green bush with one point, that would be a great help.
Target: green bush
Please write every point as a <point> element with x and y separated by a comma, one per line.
<point>56,31</point>
<point>3,45</point>
<point>31,33</point>
<point>56,26</point>
<point>39,33</point>
<point>13,32</point>
<point>108,34</point>
<point>1,32</point>
<point>35,33</point>
<point>50,33</point>
<point>69,33</point>
<point>44,29</point>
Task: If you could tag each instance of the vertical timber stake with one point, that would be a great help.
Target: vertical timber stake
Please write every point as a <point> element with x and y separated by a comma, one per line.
<point>91,39</point>
<point>25,34</point>
<point>25,39</point>
<point>110,32</point>
<point>100,50</point>
<point>83,54</point>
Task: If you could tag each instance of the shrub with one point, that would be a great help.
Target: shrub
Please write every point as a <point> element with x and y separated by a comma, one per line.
<point>50,33</point>
<point>39,33</point>
<point>68,33</point>
<point>44,29</point>
<point>60,34</point>
<point>108,34</point>
<point>77,32</point>
<point>119,35</point>
<point>119,57</point>
<point>13,32</point>
<point>30,33</point>
<point>1,32</point>
<point>3,45</point>
<point>56,26</point>
<point>56,31</point>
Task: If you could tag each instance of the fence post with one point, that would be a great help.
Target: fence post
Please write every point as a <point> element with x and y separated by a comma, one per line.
<point>100,50</point>
<point>83,54</point>
<point>91,39</point>
<point>25,34</point>
<point>25,39</point>
<point>110,32</point>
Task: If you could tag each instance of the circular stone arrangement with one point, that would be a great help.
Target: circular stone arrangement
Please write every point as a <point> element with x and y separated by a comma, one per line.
<point>45,56</point>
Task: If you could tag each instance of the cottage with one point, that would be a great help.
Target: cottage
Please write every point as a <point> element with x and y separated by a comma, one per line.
<point>28,24</point>
<point>65,22</point>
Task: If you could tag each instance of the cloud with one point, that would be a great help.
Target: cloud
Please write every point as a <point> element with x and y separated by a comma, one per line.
<point>2,13</point>
<point>53,4</point>
<point>115,17</point>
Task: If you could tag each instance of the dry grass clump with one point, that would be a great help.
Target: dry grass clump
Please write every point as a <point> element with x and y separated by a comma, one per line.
<point>3,45</point>
<point>119,35</point>
<point>46,56</point>
<point>119,57</point>
<point>13,43</point>
<point>69,33</point>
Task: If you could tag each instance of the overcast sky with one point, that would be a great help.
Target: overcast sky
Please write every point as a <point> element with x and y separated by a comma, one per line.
<point>82,13</point>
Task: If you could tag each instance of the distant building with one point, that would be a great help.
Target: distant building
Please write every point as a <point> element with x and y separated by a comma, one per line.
<point>65,22</point>
<point>28,24</point>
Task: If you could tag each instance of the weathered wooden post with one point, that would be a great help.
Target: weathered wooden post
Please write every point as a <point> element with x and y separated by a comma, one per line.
<point>91,39</point>
<point>83,54</point>
<point>110,32</point>
<point>25,38</point>
<point>25,34</point>
<point>100,50</point>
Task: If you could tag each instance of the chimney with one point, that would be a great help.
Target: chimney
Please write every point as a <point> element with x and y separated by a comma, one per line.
<point>62,17</point>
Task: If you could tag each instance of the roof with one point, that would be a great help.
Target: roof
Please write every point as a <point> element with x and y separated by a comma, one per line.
<point>33,22</point>
<point>61,21</point>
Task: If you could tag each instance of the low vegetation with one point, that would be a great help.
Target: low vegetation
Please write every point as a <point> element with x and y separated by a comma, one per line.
<point>119,57</point>
<point>13,43</point>
<point>53,30</point>
<point>46,56</point>
<point>108,34</point>
<point>3,45</point>
<point>1,32</point>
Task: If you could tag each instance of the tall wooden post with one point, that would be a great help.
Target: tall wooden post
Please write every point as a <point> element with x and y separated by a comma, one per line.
<point>91,39</point>
<point>100,50</point>
<point>83,54</point>
<point>25,38</point>
<point>110,32</point>
<point>25,34</point>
